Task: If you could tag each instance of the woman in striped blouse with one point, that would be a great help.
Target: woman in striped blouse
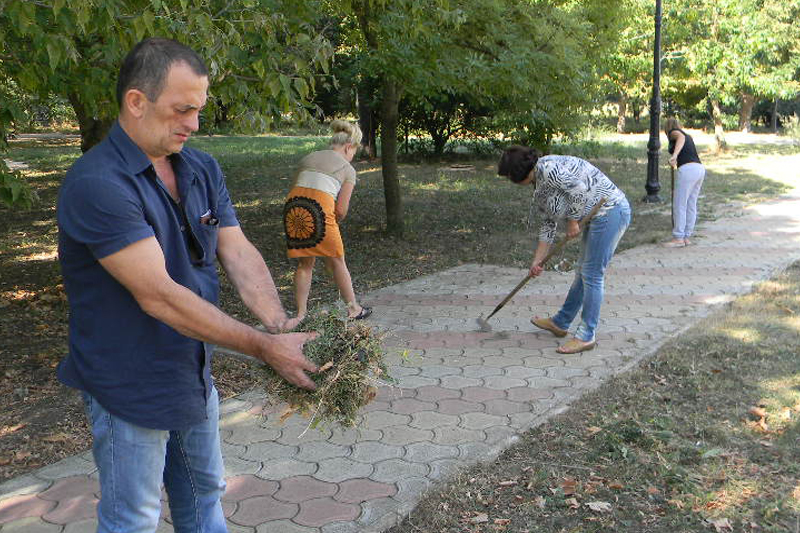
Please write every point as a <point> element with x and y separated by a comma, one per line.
<point>566,189</point>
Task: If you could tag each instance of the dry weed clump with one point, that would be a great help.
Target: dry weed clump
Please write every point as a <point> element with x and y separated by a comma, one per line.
<point>349,355</point>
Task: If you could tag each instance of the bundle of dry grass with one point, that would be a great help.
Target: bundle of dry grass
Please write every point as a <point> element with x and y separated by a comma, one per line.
<point>350,358</point>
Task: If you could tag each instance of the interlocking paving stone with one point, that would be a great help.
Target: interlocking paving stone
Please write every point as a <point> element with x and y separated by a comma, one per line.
<point>464,395</point>
<point>31,525</point>
<point>320,511</point>
<point>340,469</point>
<point>244,487</point>
<point>374,452</point>
<point>361,490</point>
<point>254,511</point>
<point>393,470</point>
<point>18,507</point>
<point>301,488</point>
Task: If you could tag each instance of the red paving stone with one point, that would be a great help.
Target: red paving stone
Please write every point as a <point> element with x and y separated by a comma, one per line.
<point>258,510</point>
<point>458,407</point>
<point>316,513</point>
<point>73,509</point>
<point>71,487</point>
<point>18,507</point>
<point>302,488</point>
<point>248,486</point>
<point>361,490</point>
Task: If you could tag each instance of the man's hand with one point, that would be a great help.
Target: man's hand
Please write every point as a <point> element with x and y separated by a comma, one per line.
<point>535,269</point>
<point>573,229</point>
<point>284,353</point>
<point>673,161</point>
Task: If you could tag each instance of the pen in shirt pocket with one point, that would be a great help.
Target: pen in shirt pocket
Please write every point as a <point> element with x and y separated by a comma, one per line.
<point>209,218</point>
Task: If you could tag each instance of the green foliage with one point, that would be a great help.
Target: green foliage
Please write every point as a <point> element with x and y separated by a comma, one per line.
<point>261,54</point>
<point>14,191</point>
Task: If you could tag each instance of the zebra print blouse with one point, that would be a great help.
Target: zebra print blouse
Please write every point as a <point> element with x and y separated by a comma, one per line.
<point>567,187</point>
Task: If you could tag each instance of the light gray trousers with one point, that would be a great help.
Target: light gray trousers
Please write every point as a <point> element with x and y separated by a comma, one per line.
<point>687,189</point>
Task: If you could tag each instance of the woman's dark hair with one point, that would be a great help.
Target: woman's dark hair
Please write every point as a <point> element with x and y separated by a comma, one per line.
<point>146,66</point>
<point>517,162</point>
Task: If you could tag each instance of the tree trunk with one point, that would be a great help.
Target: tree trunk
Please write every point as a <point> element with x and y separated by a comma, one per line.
<point>391,184</point>
<point>746,112</point>
<point>637,113</point>
<point>92,129</point>
<point>622,108</point>
<point>719,132</point>
<point>774,123</point>
<point>368,120</point>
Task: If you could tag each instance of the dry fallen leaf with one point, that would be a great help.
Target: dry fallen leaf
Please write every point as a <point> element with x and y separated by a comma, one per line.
<point>720,524</point>
<point>326,366</point>
<point>653,490</point>
<point>572,503</point>
<point>507,483</point>
<point>502,521</point>
<point>616,485</point>
<point>599,507</point>
<point>569,486</point>
<point>757,412</point>
<point>287,412</point>
<point>592,430</point>
<point>479,518</point>
<point>677,503</point>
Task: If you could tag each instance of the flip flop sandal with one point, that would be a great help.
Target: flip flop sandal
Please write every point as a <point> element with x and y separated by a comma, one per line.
<point>547,324</point>
<point>364,313</point>
<point>574,346</point>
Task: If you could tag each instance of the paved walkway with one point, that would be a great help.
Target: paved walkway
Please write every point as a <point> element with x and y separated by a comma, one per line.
<point>463,396</point>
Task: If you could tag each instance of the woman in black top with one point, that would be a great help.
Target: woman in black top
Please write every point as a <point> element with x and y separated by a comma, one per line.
<point>691,173</point>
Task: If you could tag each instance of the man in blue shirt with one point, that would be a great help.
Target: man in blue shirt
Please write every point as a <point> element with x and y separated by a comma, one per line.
<point>142,221</point>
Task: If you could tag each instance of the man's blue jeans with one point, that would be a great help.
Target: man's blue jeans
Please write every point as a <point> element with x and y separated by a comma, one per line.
<point>599,241</point>
<point>133,461</point>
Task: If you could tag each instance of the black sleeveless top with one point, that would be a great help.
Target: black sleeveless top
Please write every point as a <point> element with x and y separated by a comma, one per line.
<point>688,152</point>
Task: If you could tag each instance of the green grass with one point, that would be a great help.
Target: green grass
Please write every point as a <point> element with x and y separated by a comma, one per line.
<point>675,445</point>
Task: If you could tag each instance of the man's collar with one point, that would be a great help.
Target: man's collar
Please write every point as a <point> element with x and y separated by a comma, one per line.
<point>135,158</point>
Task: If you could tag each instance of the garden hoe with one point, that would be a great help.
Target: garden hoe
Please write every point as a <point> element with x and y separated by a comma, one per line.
<point>555,250</point>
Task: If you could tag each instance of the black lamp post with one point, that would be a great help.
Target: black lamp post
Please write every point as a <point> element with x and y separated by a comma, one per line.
<point>653,145</point>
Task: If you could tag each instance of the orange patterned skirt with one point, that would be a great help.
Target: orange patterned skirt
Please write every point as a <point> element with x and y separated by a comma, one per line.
<point>310,224</point>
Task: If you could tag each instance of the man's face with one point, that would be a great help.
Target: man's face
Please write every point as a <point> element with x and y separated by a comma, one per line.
<point>168,122</point>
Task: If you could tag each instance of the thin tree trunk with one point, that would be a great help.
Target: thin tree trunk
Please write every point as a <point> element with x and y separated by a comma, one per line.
<point>622,108</point>
<point>746,112</point>
<point>719,131</point>
<point>367,119</point>
<point>391,184</point>
<point>774,123</point>
<point>92,129</point>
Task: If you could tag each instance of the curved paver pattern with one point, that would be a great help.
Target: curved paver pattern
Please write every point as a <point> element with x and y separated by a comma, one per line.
<point>463,395</point>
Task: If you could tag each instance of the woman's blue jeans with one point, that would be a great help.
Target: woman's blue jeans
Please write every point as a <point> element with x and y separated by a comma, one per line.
<point>599,241</point>
<point>134,461</point>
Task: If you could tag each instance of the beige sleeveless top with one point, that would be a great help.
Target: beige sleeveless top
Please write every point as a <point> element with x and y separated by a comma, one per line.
<point>326,170</point>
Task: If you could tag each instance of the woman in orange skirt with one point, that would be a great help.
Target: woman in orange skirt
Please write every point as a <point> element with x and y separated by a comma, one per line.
<point>317,203</point>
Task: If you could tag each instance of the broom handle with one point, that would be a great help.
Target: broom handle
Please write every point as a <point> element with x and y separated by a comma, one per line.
<point>556,249</point>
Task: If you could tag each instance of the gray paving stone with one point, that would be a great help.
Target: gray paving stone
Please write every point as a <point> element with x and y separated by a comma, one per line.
<point>235,466</point>
<point>412,489</point>
<point>403,435</point>
<point>378,514</point>
<point>565,372</point>
<point>393,470</point>
<point>350,436</point>
<point>22,485</point>
<point>340,527</point>
<point>425,452</point>
<point>438,371</point>
<point>443,468</point>
<point>268,451</point>
<point>252,433</point>
<point>481,420</point>
<point>481,371</point>
<point>340,469</point>
<point>375,452</point>
<point>71,466</point>
<point>503,382</point>
<point>523,372</point>
<point>502,361</point>
<point>316,451</point>
<point>296,432</point>
<point>415,382</point>
<point>432,420</point>
<point>282,468</point>
<point>459,382</point>
<point>384,419</point>
<point>449,435</point>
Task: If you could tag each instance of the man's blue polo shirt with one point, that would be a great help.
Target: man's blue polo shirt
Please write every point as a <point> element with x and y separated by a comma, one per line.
<point>137,367</point>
